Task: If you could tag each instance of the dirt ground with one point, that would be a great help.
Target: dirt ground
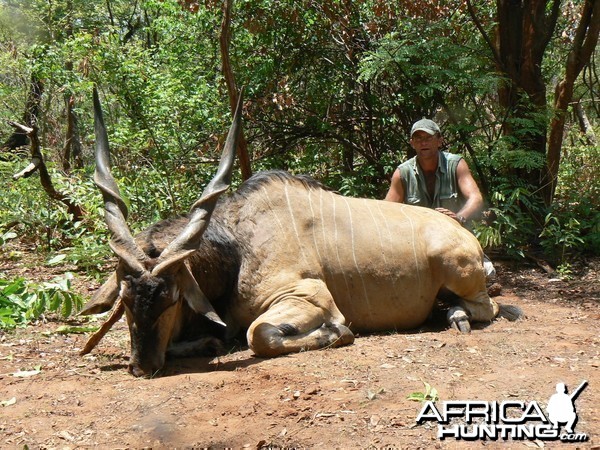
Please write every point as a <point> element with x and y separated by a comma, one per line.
<point>351,397</point>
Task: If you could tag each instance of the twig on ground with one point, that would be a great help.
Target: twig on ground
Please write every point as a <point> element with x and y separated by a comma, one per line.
<point>98,335</point>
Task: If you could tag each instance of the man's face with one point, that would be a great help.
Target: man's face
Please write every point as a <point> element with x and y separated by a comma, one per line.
<point>425,144</point>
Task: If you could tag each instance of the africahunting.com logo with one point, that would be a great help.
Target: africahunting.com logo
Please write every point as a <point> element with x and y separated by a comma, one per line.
<point>512,419</point>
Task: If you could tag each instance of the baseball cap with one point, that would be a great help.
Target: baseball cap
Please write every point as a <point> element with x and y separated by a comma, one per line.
<point>426,125</point>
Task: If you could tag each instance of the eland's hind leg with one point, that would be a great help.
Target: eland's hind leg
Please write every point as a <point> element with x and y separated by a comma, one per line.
<point>474,303</point>
<point>479,309</point>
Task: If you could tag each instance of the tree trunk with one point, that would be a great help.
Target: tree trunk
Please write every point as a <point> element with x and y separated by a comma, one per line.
<point>38,164</point>
<point>523,33</point>
<point>224,41</point>
<point>584,125</point>
<point>72,147</point>
<point>584,45</point>
<point>72,151</point>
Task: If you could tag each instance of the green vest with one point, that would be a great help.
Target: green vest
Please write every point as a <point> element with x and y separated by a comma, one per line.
<point>446,195</point>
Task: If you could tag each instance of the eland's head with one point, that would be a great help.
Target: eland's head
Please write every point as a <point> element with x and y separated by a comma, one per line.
<point>153,283</point>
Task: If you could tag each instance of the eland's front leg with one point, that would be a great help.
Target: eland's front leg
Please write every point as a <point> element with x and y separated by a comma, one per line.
<point>301,316</point>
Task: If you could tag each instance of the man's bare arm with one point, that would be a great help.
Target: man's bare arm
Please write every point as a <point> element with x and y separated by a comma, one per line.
<point>396,191</point>
<point>468,187</point>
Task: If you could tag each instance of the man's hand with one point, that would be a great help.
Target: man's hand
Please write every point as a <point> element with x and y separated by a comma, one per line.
<point>447,212</point>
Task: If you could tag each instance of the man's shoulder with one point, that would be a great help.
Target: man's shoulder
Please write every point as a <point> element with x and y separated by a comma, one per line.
<point>409,163</point>
<point>451,156</point>
<point>450,161</point>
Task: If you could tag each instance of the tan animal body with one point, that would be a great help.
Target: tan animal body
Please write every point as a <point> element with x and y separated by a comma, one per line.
<point>296,265</point>
<point>368,264</point>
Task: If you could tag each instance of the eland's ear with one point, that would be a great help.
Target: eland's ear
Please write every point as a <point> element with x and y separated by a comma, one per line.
<point>194,296</point>
<point>104,298</point>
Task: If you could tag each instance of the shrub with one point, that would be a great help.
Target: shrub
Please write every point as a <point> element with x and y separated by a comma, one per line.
<point>22,302</point>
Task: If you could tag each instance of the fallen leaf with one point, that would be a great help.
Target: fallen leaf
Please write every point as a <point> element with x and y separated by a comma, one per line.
<point>66,436</point>
<point>55,260</point>
<point>324,415</point>
<point>66,329</point>
<point>27,373</point>
<point>12,401</point>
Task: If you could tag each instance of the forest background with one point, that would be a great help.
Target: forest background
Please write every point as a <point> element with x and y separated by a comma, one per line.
<point>331,90</point>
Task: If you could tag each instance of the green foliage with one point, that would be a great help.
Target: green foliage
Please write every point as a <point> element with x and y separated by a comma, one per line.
<point>423,67</point>
<point>26,209</point>
<point>154,193</point>
<point>511,159</point>
<point>513,227</point>
<point>168,95</point>
<point>430,394</point>
<point>332,89</point>
<point>22,302</point>
<point>564,230</point>
<point>363,181</point>
<point>569,228</point>
<point>36,219</point>
<point>573,227</point>
<point>561,237</point>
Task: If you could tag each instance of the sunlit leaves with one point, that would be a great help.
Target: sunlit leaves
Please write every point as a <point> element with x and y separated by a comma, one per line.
<point>22,301</point>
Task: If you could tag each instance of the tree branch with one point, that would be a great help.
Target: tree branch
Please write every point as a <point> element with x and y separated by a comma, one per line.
<point>224,41</point>
<point>36,157</point>
<point>485,36</point>
<point>37,164</point>
<point>587,33</point>
<point>551,26</point>
<point>98,335</point>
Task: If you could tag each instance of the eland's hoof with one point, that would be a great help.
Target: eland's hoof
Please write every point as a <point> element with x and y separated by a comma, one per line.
<point>459,320</point>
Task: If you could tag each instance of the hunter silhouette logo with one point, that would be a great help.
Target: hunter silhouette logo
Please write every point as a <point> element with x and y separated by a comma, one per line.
<point>511,419</point>
<point>561,407</point>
